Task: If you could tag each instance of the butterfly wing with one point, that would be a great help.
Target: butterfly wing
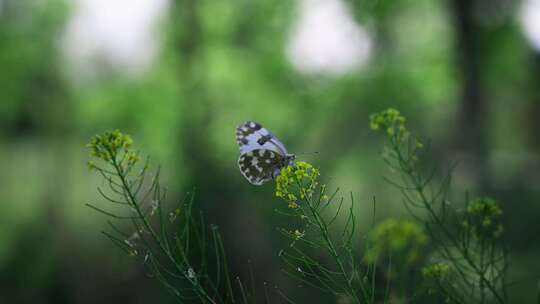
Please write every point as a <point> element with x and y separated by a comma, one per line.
<point>252,136</point>
<point>261,165</point>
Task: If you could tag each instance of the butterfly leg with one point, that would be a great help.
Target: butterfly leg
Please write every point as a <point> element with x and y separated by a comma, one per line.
<point>276,173</point>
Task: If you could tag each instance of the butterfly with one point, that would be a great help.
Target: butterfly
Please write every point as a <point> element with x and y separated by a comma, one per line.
<point>262,155</point>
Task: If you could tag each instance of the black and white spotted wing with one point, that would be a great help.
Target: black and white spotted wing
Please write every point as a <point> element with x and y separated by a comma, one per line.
<point>252,135</point>
<point>260,165</point>
<point>262,155</point>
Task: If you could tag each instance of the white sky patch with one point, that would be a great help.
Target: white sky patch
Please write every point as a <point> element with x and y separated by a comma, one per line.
<point>122,33</point>
<point>326,39</point>
<point>530,21</point>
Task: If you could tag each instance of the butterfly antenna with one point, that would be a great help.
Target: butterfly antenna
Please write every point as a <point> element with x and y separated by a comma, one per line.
<point>308,153</point>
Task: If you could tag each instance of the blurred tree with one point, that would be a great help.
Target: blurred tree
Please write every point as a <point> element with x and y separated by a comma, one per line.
<point>471,135</point>
<point>534,111</point>
<point>31,82</point>
<point>35,105</point>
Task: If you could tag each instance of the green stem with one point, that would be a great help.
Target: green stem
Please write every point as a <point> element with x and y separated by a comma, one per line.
<point>416,180</point>
<point>131,198</point>
<point>332,249</point>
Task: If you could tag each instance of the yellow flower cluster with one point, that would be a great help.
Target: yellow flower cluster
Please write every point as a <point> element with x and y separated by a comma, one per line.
<point>437,271</point>
<point>297,182</point>
<point>399,239</point>
<point>391,122</point>
<point>109,145</point>
<point>484,218</point>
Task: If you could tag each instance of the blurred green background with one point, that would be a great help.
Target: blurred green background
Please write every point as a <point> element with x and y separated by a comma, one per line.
<point>180,75</point>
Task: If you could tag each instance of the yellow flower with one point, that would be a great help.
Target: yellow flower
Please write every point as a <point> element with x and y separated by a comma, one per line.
<point>391,121</point>
<point>298,235</point>
<point>107,146</point>
<point>437,271</point>
<point>292,197</point>
<point>293,205</point>
<point>398,238</point>
<point>298,180</point>
<point>484,218</point>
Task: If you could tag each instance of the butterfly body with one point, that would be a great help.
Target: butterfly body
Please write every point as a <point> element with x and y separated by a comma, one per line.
<point>262,155</point>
